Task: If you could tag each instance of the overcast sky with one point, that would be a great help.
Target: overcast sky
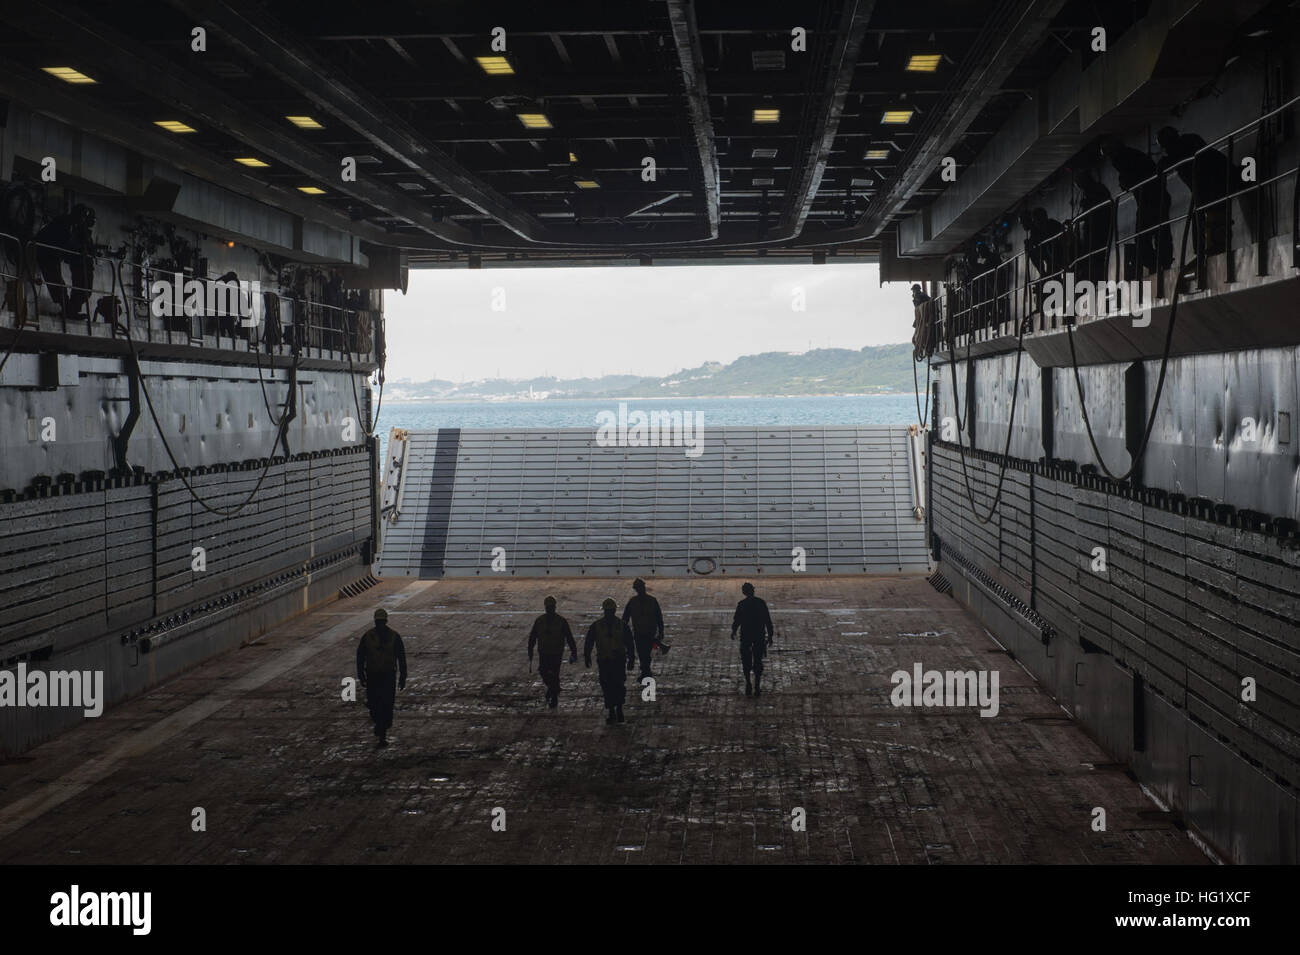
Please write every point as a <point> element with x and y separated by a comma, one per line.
<point>654,320</point>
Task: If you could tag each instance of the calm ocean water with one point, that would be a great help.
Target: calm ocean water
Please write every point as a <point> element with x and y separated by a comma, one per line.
<point>581,413</point>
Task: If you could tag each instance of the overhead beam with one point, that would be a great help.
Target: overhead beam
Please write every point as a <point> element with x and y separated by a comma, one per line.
<point>690,57</point>
<point>561,50</point>
<point>34,91</point>
<point>138,67</point>
<point>268,44</point>
<point>1164,58</point>
<point>1012,32</point>
<point>643,85</point>
<point>842,64</point>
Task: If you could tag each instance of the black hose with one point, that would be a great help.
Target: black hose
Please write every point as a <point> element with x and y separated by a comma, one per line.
<point>1002,473</point>
<point>356,399</point>
<point>162,436</point>
<point>1164,363</point>
<point>922,417</point>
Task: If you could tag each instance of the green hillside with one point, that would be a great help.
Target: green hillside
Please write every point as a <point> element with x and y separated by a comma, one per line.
<point>824,371</point>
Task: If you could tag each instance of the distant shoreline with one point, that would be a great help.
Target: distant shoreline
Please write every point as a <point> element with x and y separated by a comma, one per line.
<point>539,401</point>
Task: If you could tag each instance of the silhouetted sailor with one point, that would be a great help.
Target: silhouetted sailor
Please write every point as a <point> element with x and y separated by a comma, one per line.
<point>1046,233</point>
<point>1137,172</point>
<point>381,669</point>
<point>613,642</point>
<point>1205,173</point>
<point>755,626</point>
<point>1093,225</point>
<point>987,282</point>
<point>647,621</point>
<point>550,632</point>
<point>68,238</point>
<point>1032,252</point>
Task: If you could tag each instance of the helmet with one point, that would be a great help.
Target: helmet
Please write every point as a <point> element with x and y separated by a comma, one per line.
<point>747,590</point>
<point>381,615</point>
<point>549,602</point>
<point>609,604</point>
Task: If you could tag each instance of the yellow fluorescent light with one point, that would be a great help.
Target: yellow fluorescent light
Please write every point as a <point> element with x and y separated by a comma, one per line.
<point>304,122</point>
<point>534,120</point>
<point>495,65</point>
<point>767,115</point>
<point>174,126</point>
<point>896,116</point>
<point>573,157</point>
<point>67,74</point>
<point>251,161</point>
<point>924,62</point>
<point>586,183</point>
<point>876,154</point>
<point>312,190</point>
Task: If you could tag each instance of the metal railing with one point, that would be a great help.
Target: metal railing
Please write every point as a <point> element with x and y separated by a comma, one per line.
<point>997,301</point>
<point>109,296</point>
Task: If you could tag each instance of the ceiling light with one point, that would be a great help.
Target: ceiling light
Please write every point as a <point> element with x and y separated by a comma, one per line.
<point>767,115</point>
<point>896,116</point>
<point>586,183</point>
<point>763,153</point>
<point>876,154</point>
<point>924,62</point>
<point>251,162</point>
<point>764,60</point>
<point>573,157</point>
<point>411,186</point>
<point>67,74</point>
<point>312,190</point>
<point>495,65</point>
<point>304,122</point>
<point>764,182</point>
<point>174,126</point>
<point>534,120</point>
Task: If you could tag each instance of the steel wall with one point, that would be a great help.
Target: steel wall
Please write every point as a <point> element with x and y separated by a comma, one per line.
<point>1186,606</point>
<point>211,415</point>
<point>1227,427</point>
<point>83,561</point>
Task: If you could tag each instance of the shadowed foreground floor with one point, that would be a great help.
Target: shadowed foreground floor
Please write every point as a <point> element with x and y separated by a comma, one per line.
<point>286,771</point>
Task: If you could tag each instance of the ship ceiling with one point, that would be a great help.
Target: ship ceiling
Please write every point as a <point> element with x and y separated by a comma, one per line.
<point>541,153</point>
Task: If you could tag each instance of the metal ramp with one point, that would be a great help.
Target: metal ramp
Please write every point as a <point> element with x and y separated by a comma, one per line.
<point>537,502</point>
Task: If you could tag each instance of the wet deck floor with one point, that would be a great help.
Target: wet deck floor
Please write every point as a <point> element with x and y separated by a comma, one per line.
<point>286,771</point>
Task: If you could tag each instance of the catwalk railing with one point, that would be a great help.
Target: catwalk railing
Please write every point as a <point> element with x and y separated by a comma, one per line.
<point>1136,235</point>
<point>109,297</point>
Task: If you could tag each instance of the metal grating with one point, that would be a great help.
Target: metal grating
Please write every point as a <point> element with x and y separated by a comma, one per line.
<point>558,503</point>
